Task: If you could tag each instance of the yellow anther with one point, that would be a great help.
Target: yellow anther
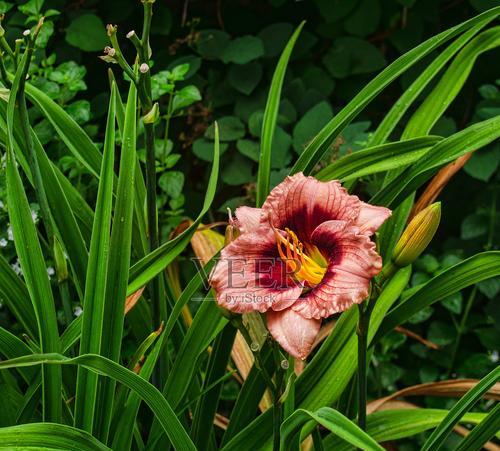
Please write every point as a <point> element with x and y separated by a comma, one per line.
<point>301,265</point>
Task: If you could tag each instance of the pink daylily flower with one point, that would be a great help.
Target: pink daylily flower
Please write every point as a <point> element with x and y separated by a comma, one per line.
<point>305,255</point>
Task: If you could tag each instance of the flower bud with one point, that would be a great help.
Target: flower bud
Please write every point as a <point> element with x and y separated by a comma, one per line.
<point>111,29</point>
<point>143,68</point>
<point>232,230</point>
<point>110,51</point>
<point>60,261</point>
<point>417,235</point>
<point>152,116</point>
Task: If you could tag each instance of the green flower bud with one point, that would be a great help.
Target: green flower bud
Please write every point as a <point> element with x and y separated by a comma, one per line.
<point>60,261</point>
<point>417,235</point>
<point>152,116</point>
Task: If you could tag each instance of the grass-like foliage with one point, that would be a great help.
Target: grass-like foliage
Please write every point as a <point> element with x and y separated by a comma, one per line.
<point>136,371</point>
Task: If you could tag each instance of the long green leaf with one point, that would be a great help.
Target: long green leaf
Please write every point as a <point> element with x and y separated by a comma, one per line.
<point>396,113</point>
<point>436,103</point>
<point>270,117</point>
<point>377,159</point>
<point>33,264</point>
<point>127,411</point>
<point>468,272</point>
<point>15,296</point>
<point>314,152</point>
<point>204,413</point>
<point>207,323</point>
<point>151,265</point>
<point>12,347</point>
<point>483,432</point>
<point>463,405</point>
<point>95,285</point>
<point>75,138</point>
<point>118,261</point>
<point>332,420</point>
<point>396,424</point>
<point>151,396</point>
<point>64,200</point>
<point>38,436</point>
<point>468,140</point>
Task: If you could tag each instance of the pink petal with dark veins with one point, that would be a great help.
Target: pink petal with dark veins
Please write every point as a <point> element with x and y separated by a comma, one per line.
<point>247,219</point>
<point>293,332</point>
<point>303,203</point>
<point>371,217</point>
<point>353,261</point>
<point>250,277</point>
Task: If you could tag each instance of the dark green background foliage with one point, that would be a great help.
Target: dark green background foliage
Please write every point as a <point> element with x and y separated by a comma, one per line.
<point>231,48</point>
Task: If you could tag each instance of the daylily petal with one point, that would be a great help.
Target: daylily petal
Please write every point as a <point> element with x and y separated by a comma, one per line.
<point>302,203</point>
<point>251,277</point>
<point>371,217</point>
<point>292,331</point>
<point>247,219</point>
<point>353,262</point>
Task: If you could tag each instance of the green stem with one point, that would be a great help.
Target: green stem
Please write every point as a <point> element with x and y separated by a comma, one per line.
<point>119,56</point>
<point>145,98</point>
<point>277,406</point>
<point>362,332</point>
<point>167,122</point>
<point>3,73</point>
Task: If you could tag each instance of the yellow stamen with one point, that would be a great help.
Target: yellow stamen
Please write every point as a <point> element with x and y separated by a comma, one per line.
<point>301,265</point>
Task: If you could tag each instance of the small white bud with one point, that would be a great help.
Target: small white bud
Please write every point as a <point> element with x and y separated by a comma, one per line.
<point>130,34</point>
<point>26,32</point>
<point>143,68</point>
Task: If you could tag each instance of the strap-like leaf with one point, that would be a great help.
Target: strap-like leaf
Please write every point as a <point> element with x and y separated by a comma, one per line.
<point>396,113</point>
<point>155,262</point>
<point>16,298</point>
<point>38,436</point>
<point>33,264</point>
<point>95,284</point>
<point>151,396</point>
<point>270,117</point>
<point>332,420</point>
<point>314,152</point>
<point>118,260</point>
<point>483,432</point>
<point>463,405</point>
<point>378,159</point>
<point>395,424</point>
<point>468,272</point>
